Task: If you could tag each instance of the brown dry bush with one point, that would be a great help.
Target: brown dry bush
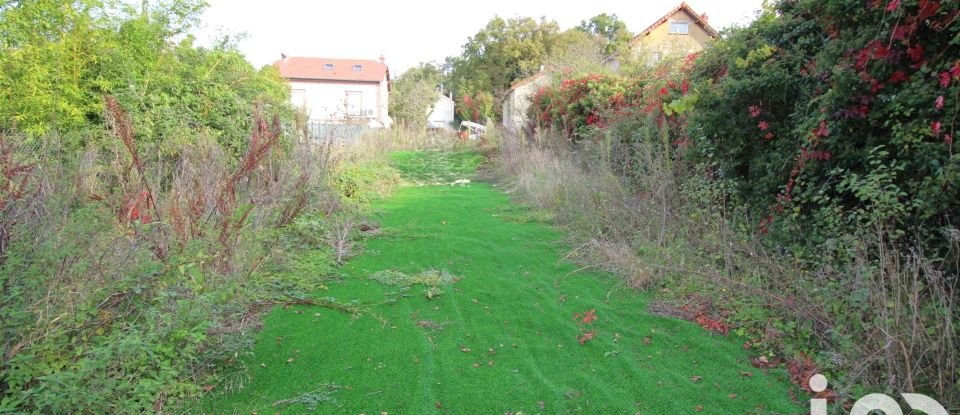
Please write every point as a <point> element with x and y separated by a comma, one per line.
<point>109,243</point>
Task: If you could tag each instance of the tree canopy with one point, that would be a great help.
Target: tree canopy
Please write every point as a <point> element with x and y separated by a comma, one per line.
<point>414,93</point>
<point>59,59</point>
<point>610,28</point>
<point>504,51</point>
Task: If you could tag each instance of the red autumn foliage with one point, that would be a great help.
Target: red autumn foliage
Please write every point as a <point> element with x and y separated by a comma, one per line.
<point>586,318</point>
<point>137,208</point>
<point>711,324</point>
<point>583,339</point>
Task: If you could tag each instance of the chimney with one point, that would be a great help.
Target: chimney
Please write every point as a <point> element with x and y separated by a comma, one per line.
<point>283,56</point>
<point>383,59</point>
<point>705,18</point>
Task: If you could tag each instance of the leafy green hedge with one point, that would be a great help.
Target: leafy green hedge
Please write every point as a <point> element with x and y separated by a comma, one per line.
<point>838,115</point>
<point>58,60</point>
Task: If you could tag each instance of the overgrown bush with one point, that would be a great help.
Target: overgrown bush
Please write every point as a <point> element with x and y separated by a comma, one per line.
<point>797,180</point>
<point>826,127</point>
<point>151,198</point>
<point>581,106</point>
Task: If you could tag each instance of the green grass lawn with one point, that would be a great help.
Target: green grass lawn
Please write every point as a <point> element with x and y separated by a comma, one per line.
<point>502,338</point>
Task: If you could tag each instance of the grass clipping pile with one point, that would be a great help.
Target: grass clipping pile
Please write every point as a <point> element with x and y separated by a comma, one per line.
<point>432,279</point>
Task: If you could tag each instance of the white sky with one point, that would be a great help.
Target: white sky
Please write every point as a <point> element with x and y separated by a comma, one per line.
<point>407,33</point>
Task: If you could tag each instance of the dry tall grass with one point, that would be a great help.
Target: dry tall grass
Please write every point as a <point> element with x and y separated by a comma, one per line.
<point>883,317</point>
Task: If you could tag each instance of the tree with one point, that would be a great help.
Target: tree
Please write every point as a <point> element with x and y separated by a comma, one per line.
<point>504,51</point>
<point>58,59</point>
<point>578,52</point>
<point>611,29</point>
<point>414,93</point>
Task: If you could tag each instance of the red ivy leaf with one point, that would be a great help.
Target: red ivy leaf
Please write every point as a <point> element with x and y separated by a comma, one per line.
<point>898,77</point>
<point>892,5</point>
<point>938,104</point>
<point>935,127</point>
<point>763,126</point>
<point>915,53</point>
<point>903,32</point>
<point>944,79</point>
<point>928,8</point>
<point>589,316</point>
<point>822,130</point>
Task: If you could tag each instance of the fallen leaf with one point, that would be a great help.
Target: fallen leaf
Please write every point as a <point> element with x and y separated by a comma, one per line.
<point>437,405</point>
<point>746,374</point>
<point>696,379</point>
<point>732,396</point>
<point>464,349</point>
<point>290,360</point>
<point>698,408</point>
<point>647,341</point>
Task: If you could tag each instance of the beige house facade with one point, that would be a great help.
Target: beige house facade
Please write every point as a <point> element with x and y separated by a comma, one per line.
<point>678,33</point>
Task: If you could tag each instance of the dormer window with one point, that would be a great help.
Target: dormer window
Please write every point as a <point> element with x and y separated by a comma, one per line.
<point>357,68</point>
<point>328,66</point>
<point>680,28</point>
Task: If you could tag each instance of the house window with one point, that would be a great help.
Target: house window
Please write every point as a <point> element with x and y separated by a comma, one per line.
<point>328,66</point>
<point>357,68</point>
<point>680,28</point>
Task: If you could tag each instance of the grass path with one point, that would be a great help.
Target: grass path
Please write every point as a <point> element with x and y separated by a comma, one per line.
<point>500,339</point>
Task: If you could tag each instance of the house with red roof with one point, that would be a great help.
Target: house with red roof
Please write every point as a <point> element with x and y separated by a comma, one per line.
<point>678,33</point>
<point>339,91</point>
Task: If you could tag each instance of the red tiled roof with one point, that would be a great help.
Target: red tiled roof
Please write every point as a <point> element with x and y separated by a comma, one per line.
<point>683,6</point>
<point>527,80</point>
<point>342,70</point>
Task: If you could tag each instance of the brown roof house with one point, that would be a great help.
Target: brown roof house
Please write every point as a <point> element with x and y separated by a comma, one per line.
<point>339,91</point>
<point>678,33</point>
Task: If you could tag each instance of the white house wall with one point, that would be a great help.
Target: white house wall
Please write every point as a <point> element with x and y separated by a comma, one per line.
<point>442,114</point>
<point>326,101</point>
<point>518,102</point>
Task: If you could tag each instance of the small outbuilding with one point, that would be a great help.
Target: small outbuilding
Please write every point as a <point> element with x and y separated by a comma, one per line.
<point>442,112</point>
<point>518,101</point>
